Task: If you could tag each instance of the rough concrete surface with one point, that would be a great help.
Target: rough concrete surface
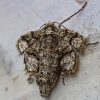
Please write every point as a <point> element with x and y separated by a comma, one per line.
<point>18,17</point>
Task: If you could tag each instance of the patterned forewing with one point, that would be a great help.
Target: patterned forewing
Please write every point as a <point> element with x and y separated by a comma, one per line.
<point>26,41</point>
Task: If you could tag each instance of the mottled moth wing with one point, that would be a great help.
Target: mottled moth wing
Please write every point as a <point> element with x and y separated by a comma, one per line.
<point>26,44</point>
<point>69,61</point>
<point>31,61</point>
<point>25,41</point>
<point>76,40</point>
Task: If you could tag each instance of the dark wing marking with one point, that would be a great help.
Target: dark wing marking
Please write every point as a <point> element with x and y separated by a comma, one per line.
<point>75,40</point>
<point>25,41</point>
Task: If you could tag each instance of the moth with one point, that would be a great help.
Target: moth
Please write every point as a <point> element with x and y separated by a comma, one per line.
<point>50,52</point>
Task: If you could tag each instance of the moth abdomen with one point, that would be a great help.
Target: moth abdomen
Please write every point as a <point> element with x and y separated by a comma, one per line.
<point>47,82</point>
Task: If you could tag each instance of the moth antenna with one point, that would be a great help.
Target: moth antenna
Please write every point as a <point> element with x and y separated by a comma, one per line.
<point>60,25</point>
<point>42,26</point>
<point>73,14</point>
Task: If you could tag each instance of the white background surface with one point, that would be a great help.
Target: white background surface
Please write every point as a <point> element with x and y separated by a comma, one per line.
<point>18,17</point>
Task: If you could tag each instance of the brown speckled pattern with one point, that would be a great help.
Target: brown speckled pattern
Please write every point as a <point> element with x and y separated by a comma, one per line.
<point>49,53</point>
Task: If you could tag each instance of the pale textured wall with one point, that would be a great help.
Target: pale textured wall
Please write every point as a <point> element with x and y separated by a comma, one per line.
<point>20,16</point>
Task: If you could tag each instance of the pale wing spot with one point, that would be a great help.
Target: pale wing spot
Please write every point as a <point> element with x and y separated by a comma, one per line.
<point>21,45</point>
<point>31,63</point>
<point>68,62</point>
<point>77,42</point>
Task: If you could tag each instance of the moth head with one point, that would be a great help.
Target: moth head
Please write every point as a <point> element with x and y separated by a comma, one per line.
<point>49,23</point>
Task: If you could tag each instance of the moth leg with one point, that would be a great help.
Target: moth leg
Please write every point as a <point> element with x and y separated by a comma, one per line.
<point>69,63</point>
<point>63,80</point>
<point>25,41</point>
<point>31,63</point>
